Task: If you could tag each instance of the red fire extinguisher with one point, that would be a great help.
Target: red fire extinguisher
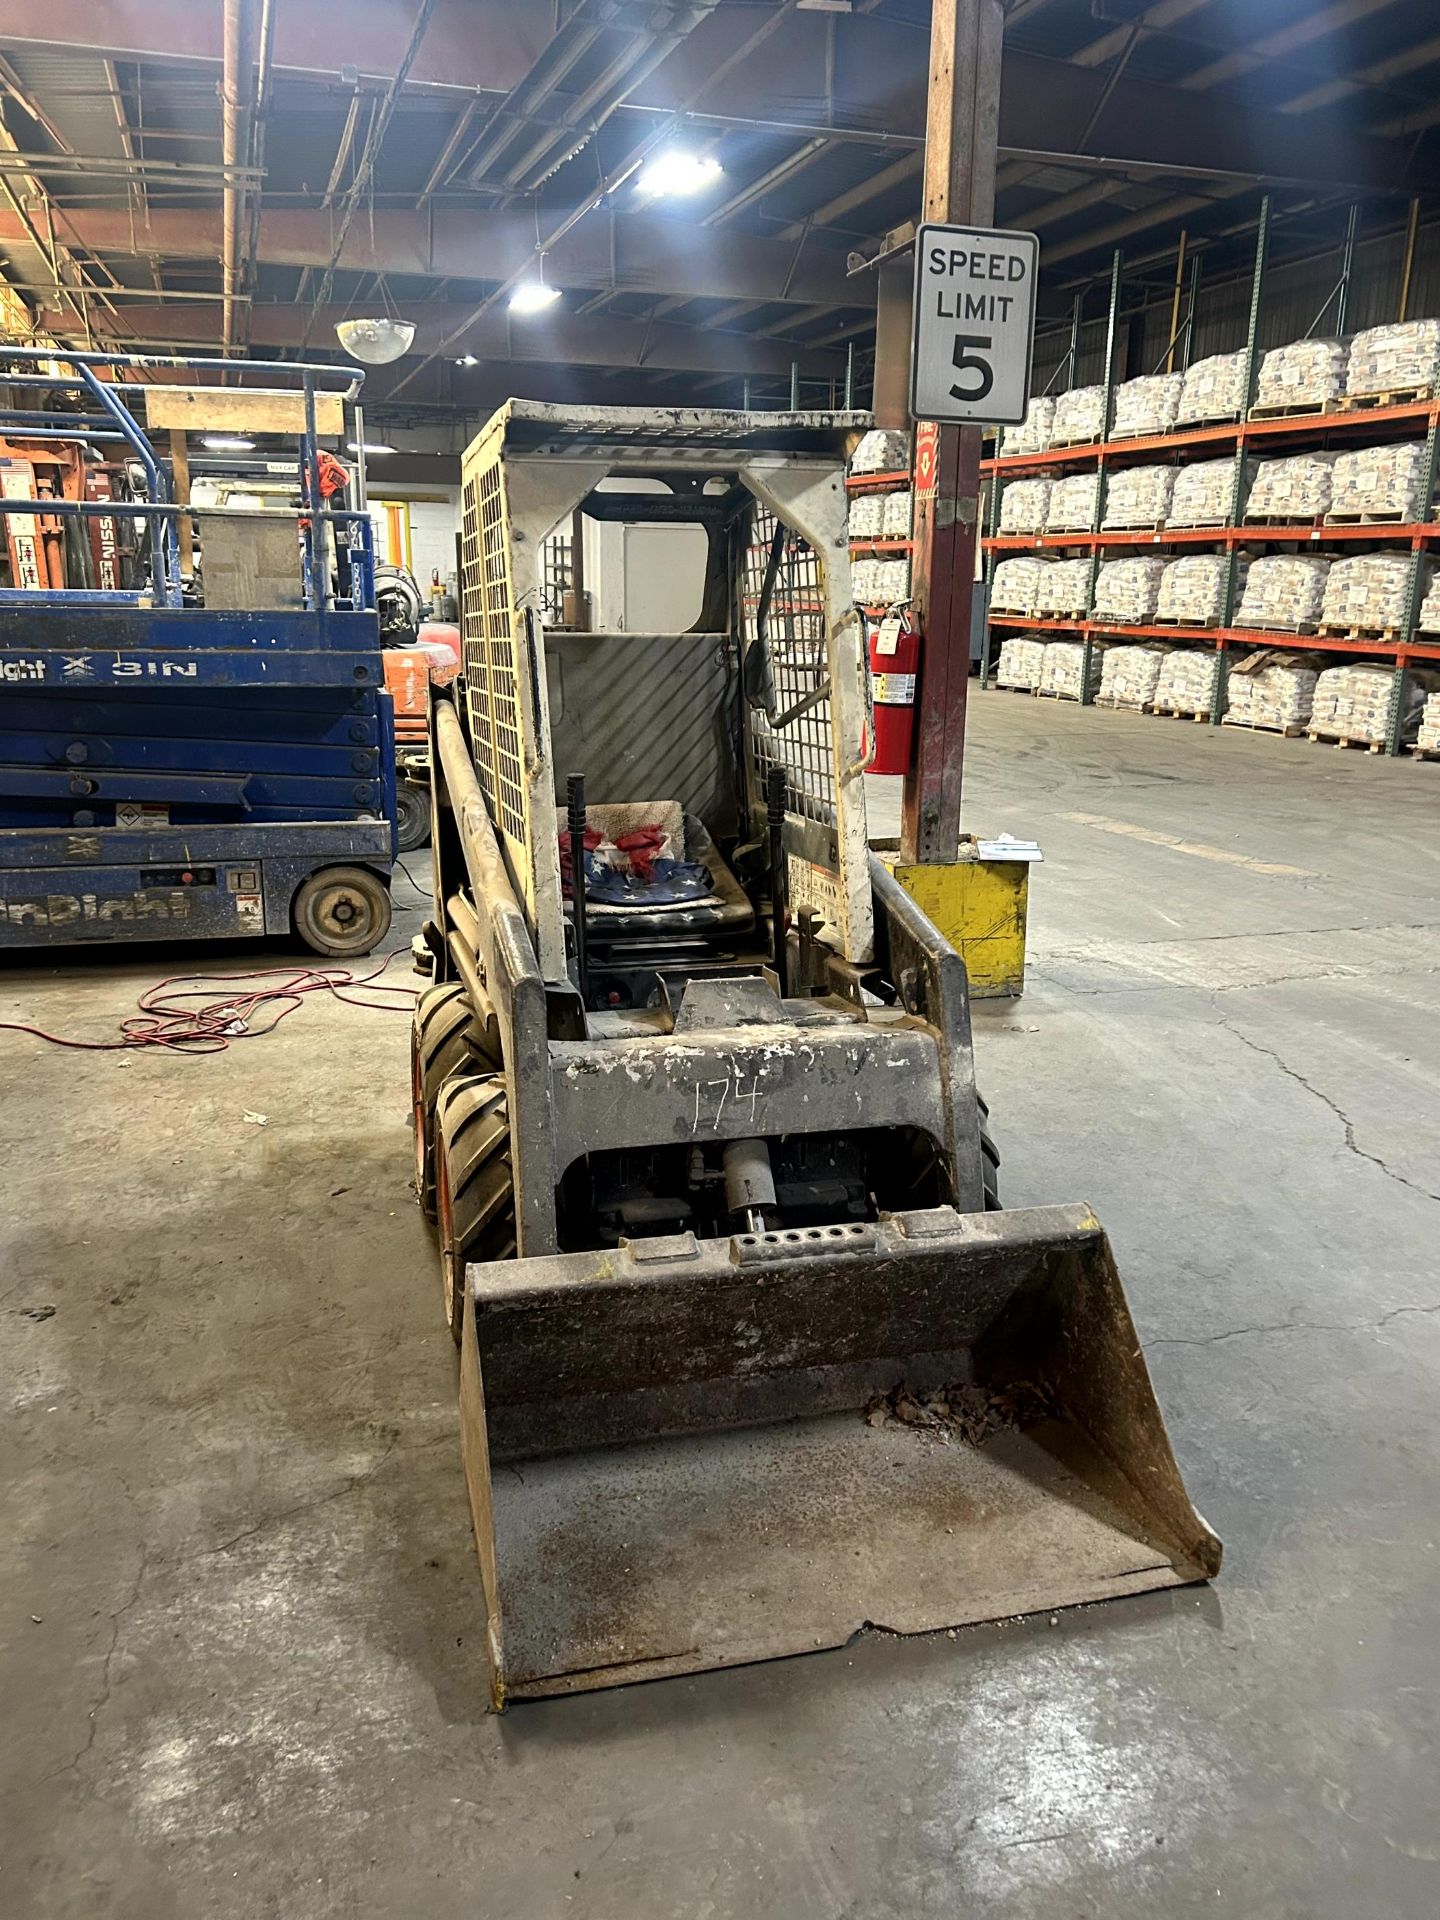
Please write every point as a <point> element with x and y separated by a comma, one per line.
<point>893,645</point>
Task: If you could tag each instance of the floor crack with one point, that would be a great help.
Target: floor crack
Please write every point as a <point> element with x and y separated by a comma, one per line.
<point>106,1681</point>
<point>316,1500</point>
<point>1351,1144</point>
<point>1287,1326</point>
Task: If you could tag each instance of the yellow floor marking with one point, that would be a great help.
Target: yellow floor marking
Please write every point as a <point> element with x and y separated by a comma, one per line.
<point>1195,848</point>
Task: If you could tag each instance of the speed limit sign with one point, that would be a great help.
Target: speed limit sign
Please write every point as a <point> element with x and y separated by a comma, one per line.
<point>974,324</point>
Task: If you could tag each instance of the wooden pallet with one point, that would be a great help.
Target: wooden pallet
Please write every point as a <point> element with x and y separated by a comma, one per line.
<point>1137,526</point>
<point>1306,630</point>
<point>1389,397</point>
<point>1261,520</point>
<point>1285,410</point>
<point>1425,753</point>
<point>1218,525</point>
<point>1344,739</point>
<point>1004,686</point>
<point>1208,420</point>
<point>1360,635</point>
<point>1293,730</point>
<point>1368,520</point>
<point>1122,706</point>
<point>1182,713</point>
<point>1164,620</point>
<point>1054,693</point>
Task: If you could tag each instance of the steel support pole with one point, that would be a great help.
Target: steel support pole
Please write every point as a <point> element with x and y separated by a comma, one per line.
<point>1347,266</point>
<point>961,139</point>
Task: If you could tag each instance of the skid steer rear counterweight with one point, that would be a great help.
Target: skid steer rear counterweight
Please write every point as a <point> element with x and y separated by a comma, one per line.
<point>750,1359</point>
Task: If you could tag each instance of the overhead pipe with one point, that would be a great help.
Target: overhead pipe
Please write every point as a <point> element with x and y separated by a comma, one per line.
<point>583,117</point>
<point>235,82</point>
<point>559,58</point>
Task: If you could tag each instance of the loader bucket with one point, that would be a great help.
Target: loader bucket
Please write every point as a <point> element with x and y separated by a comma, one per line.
<point>687,1454</point>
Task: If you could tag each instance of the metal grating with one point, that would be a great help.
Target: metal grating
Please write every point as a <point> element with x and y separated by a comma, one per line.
<point>799,737</point>
<point>489,646</point>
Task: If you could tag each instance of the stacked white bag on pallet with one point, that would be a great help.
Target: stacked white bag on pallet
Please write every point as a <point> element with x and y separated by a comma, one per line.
<point>1064,590</point>
<point>1022,660</point>
<point>1354,703</point>
<point>866,516</point>
<point>879,583</point>
<point>1139,497</point>
<point>1063,671</point>
<point>1394,359</point>
<point>1285,591</point>
<point>1187,680</point>
<point>1146,406</point>
<point>1293,490</point>
<point>1192,589</point>
<point>1072,503</point>
<point>1214,389</point>
<point>1428,738</point>
<point>1126,591</point>
<point>1017,585</point>
<point>1429,620</point>
<point>882,450</point>
<point>1306,374</point>
<point>1381,482</point>
<point>1079,417</point>
<point>1033,433</point>
<point>895,514</point>
<point>1129,676</point>
<point>1370,591</point>
<point>1024,506</point>
<point>1272,690</point>
<point>1203,494</point>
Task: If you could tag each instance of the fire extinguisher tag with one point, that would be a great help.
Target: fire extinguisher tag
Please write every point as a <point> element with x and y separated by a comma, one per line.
<point>887,641</point>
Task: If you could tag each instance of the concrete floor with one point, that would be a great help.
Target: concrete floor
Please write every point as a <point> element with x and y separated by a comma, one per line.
<point>242,1662</point>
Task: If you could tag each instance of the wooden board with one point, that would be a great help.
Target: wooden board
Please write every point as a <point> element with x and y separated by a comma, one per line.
<point>241,410</point>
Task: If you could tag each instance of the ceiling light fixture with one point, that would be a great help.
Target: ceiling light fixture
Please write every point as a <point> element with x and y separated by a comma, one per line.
<point>676,172</point>
<point>467,360</point>
<point>533,296</point>
<point>371,446</point>
<point>227,443</point>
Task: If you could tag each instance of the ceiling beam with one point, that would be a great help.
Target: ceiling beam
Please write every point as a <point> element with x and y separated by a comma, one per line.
<point>627,253</point>
<point>1275,46</point>
<point>470,44</point>
<point>872,73</point>
<point>849,70</point>
<point>1379,73</point>
<point>1166,13</point>
<point>1162,213</point>
<point>565,339</point>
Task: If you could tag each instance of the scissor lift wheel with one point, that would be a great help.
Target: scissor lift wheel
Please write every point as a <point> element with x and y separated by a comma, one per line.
<point>474,1191</point>
<point>412,815</point>
<point>342,911</point>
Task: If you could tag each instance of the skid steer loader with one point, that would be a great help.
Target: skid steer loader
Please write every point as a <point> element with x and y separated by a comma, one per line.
<point>751,1359</point>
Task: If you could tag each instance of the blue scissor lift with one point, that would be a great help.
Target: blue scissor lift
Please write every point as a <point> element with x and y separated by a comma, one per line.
<point>170,771</point>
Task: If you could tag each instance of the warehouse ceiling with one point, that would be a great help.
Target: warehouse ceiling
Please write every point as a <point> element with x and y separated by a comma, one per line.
<point>192,173</point>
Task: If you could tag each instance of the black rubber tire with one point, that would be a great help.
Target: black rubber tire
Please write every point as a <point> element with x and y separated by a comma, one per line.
<point>474,1189</point>
<point>341,911</point>
<point>440,1044</point>
<point>989,1159</point>
<point>412,816</point>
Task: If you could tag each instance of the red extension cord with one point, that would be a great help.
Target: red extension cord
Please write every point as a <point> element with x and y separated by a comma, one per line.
<point>182,1015</point>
